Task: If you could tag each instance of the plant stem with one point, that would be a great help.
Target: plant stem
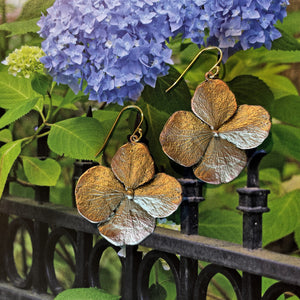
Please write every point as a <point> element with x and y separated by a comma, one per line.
<point>3,38</point>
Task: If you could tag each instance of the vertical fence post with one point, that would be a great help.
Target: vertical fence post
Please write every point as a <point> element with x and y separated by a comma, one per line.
<point>191,197</point>
<point>253,203</point>
<point>39,281</point>
<point>130,269</point>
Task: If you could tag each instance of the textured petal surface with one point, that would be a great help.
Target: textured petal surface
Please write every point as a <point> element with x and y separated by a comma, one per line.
<point>248,128</point>
<point>184,138</point>
<point>213,102</point>
<point>222,162</point>
<point>133,165</point>
<point>129,226</point>
<point>161,197</point>
<point>98,193</point>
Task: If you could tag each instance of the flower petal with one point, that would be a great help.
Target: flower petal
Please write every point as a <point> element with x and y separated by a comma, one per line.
<point>161,197</point>
<point>248,128</point>
<point>133,165</point>
<point>213,102</point>
<point>98,193</point>
<point>221,163</point>
<point>129,226</point>
<point>184,138</point>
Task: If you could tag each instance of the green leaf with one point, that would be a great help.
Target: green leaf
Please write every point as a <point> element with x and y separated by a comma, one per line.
<point>20,27</point>
<point>86,294</point>
<point>34,8</point>
<point>286,140</point>
<point>251,90</point>
<point>5,136</point>
<point>290,23</point>
<point>79,138</point>
<point>41,83</point>
<point>281,86</point>
<point>178,98</point>
<point>155,122</point>
<point>17,112</point>
<point>287,110</point>
<point>157,292</point>
<point>14,90</point>
<point>8,154</point>
<point>297,236</point>
<point>283,217</point>
<point>286,42</point>
<point>221,224</point>
<point>41,172</point>
<point>106,118</point>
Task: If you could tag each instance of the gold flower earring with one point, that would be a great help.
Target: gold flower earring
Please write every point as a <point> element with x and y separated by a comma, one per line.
<point>212,138</point>
<point>124,200</point>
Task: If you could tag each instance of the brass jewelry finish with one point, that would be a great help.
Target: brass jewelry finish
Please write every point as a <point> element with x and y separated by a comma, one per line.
<point>126,199</point>
<point>214,138</point>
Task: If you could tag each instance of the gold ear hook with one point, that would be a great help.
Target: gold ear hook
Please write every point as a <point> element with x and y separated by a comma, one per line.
<point>209,74</point>
<point>136,135</point>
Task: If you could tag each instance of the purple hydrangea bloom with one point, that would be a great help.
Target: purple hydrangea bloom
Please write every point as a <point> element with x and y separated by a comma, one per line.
<point>116,47</point>
<point>236,24</point>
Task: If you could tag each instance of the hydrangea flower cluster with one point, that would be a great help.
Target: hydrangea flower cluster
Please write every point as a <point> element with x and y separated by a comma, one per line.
<point>25,61</point>
<point>235,24</point>
<point>117,47</point>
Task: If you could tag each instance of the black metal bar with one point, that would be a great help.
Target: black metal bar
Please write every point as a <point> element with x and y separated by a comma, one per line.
<point>189,215</point>
<point>253,202</point>
<point>94,260</point>
<point>53,239</point>
<point>84,248</point>
<point>129,273</point>
<point>208,273</point>
<point>145,268</point>
<point>257,261</point>
<point>277,289</point>
<point>10,264</point>
<point>39,281</point>
<point>191,197</point>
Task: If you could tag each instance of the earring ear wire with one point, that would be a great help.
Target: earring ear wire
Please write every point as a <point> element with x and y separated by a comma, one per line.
<point>137,133</point>
<point>210,74</point>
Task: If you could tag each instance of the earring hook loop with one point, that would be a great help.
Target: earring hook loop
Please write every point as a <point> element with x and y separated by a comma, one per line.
<point>210,74</point>
<point>136,135</point>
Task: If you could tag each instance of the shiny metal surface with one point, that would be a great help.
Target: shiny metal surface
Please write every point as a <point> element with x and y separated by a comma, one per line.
<point>214,138</point>
<point>126,199</point>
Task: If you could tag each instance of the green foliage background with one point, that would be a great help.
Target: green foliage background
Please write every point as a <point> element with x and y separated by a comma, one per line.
<point>255,76</point>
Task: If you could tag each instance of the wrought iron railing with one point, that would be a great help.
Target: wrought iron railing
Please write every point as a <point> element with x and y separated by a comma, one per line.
<point>243,265</point>
<point>45,222</point>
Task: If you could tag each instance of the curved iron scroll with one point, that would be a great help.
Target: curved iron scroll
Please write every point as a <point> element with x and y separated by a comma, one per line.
<point>94,260</point>
<point>145,268</point>
<point>10,264</point>
<point>53,238</point>
<point>209,272</point>
<point>277,289</point>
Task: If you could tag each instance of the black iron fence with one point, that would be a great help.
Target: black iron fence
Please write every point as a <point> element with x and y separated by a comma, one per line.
<point>243,265</point>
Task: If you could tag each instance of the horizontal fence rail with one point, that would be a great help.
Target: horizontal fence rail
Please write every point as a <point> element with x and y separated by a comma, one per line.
<point>224,256</point>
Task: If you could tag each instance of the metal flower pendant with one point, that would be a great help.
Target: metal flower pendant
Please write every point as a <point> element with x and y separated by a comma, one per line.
<point>214,137</point>
<point>126,199</point>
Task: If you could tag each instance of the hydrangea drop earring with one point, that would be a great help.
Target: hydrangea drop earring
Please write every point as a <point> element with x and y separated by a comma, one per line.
<point>212,138</point>
<point>124,200</point>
